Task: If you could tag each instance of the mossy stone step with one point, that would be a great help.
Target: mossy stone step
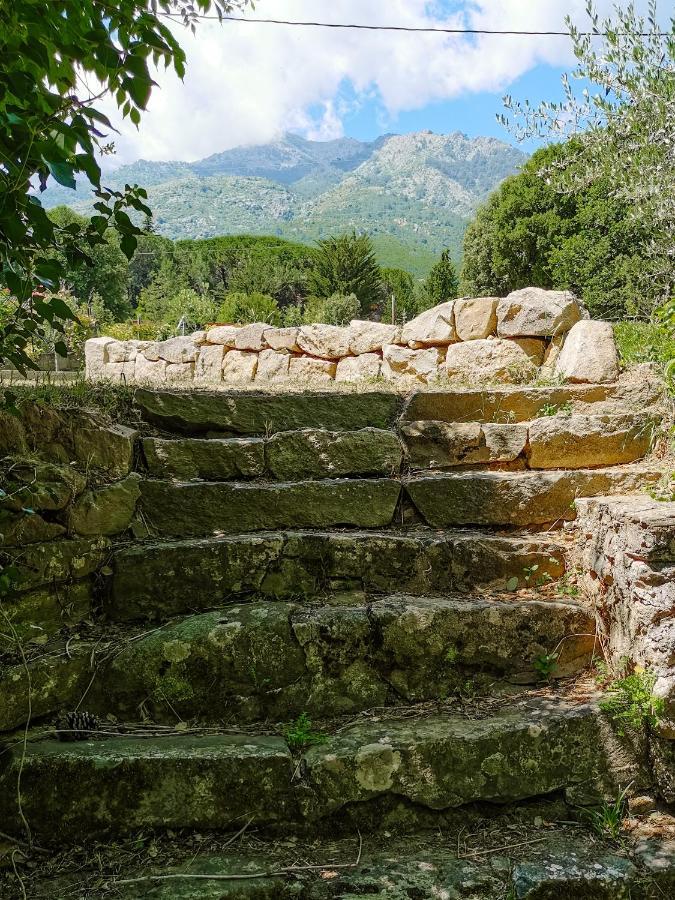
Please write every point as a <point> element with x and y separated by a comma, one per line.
<point>518,498</point>
<point>199,508</point>
<point>276,660</point>
<point>285,456</point>
<point>80,791</point>
<point>73,792</point>
<point>252,413</point>
<point>158,580</point>
<point>561,861</point>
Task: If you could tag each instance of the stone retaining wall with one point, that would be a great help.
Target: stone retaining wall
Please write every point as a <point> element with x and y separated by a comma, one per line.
<point>531,332</point>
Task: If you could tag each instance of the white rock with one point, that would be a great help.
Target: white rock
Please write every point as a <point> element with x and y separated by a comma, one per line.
<point>272,365</point>
<point>589,354</point>
<point>368,337</point>
<point>325,341</point>
<point>283,339</point>
<point>309,368</point>
<point>223,334</point>
<point>475,317</point>
<point>475,362</point>
<point>435,326</point>
<point>251,337</point>
<point>178,350</point>
<point>150,371</point>
<point>121,351</point>
<point>198,337</point>
<point>95,357</point>
<point>209,366</point>
<point>180,373</point>
<point>420,365</point>
<point>120,371</point>
<point>356,368</point>
<point>239,365</point>
<point>534,312</point>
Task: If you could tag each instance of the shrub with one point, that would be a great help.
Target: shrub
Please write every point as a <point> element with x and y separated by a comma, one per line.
<point>242,309</point>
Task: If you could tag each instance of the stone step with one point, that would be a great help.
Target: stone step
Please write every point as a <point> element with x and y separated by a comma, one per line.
<point>518,498</point>
<point>274,660</point>
<point>285,456</point>
<point>169,508</point>
<point>79,791</point>
<point>253,413</point>
<point>159,580</point>
<point>531,863</point>
<point>501,405</point>
<point>553,441</point>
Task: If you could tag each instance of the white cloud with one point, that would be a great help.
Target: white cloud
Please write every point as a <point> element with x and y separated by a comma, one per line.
<point>246,83</point>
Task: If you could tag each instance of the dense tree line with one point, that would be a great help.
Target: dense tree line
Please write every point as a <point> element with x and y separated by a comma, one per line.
<point>170,285</point>
<point>531,233</point>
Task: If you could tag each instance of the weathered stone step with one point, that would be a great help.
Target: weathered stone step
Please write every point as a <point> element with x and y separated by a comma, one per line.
<point>248,413</point>
<point>518,498</point>
<point>500,404</point>
<point>275,660</point>
<point>200,508</point>
<point>79,791</point>
<point>550,442</point>
<point>562,861</point>
<point>159,580</point>
<point>285,456</point>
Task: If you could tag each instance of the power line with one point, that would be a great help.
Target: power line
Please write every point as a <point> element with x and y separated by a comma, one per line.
<point>415,29</point>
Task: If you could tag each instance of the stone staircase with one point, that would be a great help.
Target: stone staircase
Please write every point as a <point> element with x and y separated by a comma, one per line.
<point>342,621</point>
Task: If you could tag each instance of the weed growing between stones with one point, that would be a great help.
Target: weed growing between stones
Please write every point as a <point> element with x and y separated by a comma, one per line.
<point>553,409</point>
<point>630,702</point>
<point>566,586</point>
<point>300,734</point>
<point>664,489</point>
<point>546,664</point>
<point>608,818</point>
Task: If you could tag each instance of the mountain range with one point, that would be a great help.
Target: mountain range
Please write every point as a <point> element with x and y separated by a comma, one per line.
<point>414,193</point>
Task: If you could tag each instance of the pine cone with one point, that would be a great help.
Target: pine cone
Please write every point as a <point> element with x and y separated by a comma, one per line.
<point>77,726</point>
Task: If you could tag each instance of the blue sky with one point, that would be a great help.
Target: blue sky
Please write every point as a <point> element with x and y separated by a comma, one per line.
<point>248,83</point>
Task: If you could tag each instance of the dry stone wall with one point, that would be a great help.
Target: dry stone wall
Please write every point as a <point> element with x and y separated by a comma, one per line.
<point>486,339</point>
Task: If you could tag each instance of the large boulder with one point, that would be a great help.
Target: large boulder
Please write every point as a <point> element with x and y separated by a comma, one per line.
<point>325,341</point>
<point>309,368</point>
<point>358,368</point>
<point>272,365</point>
<point>209,367</point>
<point>484,360</point>
<point>178,350</point>
<point>251,337</point>
<point>434,326</point>
<point>534,312</point>
<point>369,337</point>
<point>475,317</point>
<point>283,339</point>
<point>412,365</point>
<point>223,334</point>
<point>589,354</point>
<point>239,365</point>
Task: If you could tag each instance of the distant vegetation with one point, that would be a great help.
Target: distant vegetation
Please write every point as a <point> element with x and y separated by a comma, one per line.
<point>170,287</point>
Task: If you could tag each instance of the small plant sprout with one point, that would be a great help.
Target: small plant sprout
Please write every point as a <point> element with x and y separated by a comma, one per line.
<point>546,664</point>
<point>630,702</point>
<point>554,409</point>
<point>566,587</point>
<point>300,735</point>
<point>451,655</point>
<point>529,571</point>
<point>607,819</point>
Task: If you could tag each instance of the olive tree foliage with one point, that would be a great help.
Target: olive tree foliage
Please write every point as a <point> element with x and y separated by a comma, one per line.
<point>624,125</point>
<point>51,126</point>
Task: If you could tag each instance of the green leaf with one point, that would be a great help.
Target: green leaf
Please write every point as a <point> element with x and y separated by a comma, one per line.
<point>61,172</point>
<point>512,584</point>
